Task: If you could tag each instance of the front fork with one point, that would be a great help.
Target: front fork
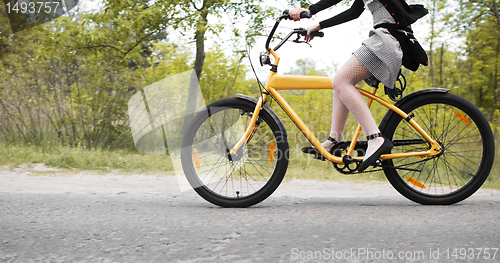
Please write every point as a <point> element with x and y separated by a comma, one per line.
<point>252,126</point>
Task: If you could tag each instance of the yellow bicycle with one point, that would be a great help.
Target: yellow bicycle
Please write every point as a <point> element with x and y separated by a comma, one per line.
<point>235,151</point>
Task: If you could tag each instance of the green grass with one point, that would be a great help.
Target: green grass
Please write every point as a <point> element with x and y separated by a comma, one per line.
<point>83,159</point>
<point>493,182</point>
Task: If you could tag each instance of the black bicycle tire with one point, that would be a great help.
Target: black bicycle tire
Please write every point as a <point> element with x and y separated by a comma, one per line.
<point>487,142</point>
<point>281,164</point>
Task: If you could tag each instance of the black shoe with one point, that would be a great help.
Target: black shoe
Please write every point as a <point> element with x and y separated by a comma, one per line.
<point>317,155</point>
<point>384,148</point>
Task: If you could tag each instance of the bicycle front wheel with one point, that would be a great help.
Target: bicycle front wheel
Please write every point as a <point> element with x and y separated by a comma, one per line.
<point>234,180</point>
<point>465,137</point>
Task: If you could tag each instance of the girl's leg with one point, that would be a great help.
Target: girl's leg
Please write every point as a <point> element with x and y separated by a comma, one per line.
<point>339,118</point>
<point>347,98</point>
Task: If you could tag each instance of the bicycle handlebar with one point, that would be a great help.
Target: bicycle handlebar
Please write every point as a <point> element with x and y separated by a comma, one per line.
<point>300,31</point>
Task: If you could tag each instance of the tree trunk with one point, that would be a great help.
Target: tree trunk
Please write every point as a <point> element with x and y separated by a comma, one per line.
<point>495,84</point>
<point>431,45</point>
<point>471,72</point>
<point>495,11</point>
<point>198,66</point>
<point>441,81</point>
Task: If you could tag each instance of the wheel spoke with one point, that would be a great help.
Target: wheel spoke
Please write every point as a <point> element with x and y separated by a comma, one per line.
<point>231,180</point>
<point>447,119</point>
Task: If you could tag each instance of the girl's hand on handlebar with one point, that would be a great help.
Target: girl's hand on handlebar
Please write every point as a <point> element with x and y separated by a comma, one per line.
<point>295,13</point>
<point>310,29</point>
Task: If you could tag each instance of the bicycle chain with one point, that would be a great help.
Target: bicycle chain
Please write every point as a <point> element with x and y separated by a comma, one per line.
<point>371,171</point>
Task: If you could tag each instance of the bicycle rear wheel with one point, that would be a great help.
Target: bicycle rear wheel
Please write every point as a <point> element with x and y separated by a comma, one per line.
<point>240,180</point>
<point>465,137</point>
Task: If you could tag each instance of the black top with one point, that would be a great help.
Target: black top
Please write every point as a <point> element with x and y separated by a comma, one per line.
<point>354,12</point>
<point>403,13</point>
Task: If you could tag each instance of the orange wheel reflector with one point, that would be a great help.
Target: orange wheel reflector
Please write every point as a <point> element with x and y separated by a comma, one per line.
<point>415,182</point>
<point>196,159</point>
<point>463,118</point>
<point>271,152</point>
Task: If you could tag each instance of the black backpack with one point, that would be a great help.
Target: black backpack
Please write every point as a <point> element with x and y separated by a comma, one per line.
<point>414,54</point>
<point>405,15</point>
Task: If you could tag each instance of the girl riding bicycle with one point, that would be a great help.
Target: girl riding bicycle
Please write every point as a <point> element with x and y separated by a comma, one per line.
<point>379,58</point>
<point>235,151</point>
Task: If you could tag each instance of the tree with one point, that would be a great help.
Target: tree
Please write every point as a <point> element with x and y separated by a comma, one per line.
<point>197,15</point>
<point>72,78</point>
<point>479,22</point>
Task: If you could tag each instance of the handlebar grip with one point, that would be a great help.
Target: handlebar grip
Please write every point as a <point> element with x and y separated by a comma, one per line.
<point>306,14</point>
<point>303,32</point>
<point>317,34</point>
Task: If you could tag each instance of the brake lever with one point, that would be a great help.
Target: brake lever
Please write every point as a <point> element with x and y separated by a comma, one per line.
<point>298,41</point>
<point>303,42</point>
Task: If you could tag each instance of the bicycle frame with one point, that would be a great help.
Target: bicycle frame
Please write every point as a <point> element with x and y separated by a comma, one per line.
<point>277,82</point>
<point>292,82</point>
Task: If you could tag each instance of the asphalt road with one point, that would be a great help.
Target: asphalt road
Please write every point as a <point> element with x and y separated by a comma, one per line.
<point>181,227</point>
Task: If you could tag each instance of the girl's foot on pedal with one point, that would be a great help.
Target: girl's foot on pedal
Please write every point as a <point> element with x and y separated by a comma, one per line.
<point>377,145</point>
<point>328,145</point>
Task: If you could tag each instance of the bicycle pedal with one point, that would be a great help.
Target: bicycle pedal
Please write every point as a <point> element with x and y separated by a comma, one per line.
<point>319,157</point>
